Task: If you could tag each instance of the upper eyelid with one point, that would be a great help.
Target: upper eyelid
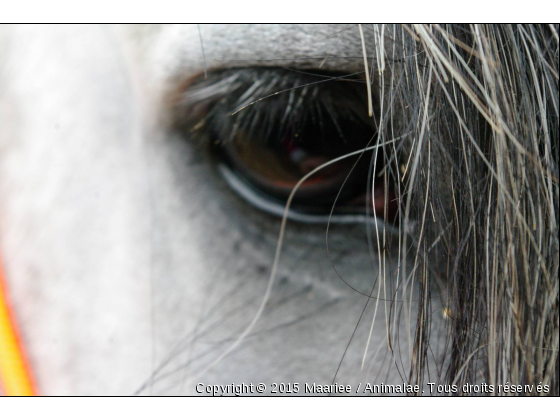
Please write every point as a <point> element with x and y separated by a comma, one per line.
<point>302,46</point>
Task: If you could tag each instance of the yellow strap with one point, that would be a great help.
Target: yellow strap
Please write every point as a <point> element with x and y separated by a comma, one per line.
<point>15,375</point>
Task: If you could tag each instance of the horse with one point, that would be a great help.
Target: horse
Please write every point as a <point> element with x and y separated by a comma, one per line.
<point>282,209</point>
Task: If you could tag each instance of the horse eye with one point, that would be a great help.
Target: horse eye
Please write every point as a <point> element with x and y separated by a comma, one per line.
<point>274,168</point>
<point>271,127</point>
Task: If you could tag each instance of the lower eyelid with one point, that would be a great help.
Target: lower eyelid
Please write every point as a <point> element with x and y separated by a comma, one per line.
<point>256,199</point>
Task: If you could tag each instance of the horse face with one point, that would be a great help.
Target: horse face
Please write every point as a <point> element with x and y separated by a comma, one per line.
<point>132,264</point>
